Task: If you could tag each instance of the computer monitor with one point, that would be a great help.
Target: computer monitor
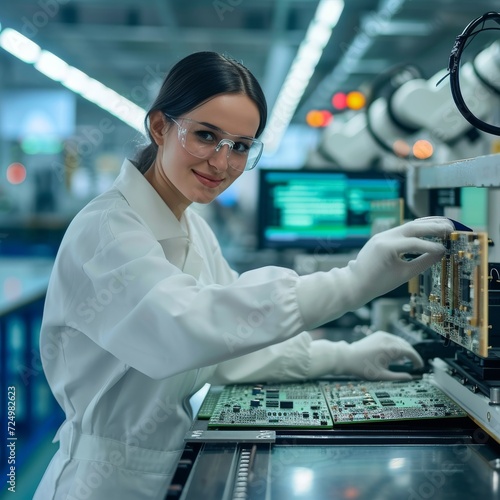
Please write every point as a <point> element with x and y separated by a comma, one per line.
<point>325,210</point>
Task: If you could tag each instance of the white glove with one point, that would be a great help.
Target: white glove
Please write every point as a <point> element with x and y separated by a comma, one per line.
<point>379,268</point>
<point>367,358</point>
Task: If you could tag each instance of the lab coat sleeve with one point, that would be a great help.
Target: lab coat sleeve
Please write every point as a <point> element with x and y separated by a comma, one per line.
<point>128,299</point>
<point>287,361</point>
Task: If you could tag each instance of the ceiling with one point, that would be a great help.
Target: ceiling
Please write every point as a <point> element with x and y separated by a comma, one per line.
<point>129,45</point>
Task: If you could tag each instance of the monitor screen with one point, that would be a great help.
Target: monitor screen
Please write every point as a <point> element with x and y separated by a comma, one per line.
<point>325,211</point>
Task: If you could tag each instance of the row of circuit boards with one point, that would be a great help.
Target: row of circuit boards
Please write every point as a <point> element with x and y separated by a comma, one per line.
<point>322,404</point>
<point>458,297</point>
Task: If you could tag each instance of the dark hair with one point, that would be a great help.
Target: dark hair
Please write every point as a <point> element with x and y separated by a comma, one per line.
<point>192,81</point>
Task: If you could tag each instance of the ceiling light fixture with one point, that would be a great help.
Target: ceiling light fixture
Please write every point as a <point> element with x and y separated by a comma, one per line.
<point>20,46</point>
<point>302,68</point>
<point>72,78</point>
<point>52,66</point>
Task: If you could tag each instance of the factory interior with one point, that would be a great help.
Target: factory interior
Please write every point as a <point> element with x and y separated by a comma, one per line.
<point>379,112</point>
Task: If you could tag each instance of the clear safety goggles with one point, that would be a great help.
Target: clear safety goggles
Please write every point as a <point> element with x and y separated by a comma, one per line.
<point>204,140</point>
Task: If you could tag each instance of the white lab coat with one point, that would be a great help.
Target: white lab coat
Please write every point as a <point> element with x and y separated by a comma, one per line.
<point>142,310</point>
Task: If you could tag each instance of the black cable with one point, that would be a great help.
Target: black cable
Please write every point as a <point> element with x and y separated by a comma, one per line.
<point>461,42</point>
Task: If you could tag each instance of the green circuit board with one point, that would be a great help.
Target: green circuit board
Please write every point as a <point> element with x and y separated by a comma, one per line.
<point>313,405</point>
<point>382,401</point>
<point>295,405</point>
<point>452,296</point>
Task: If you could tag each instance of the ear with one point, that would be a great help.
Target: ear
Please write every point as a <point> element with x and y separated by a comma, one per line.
<point>157,126</point>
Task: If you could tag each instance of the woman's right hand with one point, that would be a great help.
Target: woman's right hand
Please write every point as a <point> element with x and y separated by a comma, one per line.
<point>380,266</point>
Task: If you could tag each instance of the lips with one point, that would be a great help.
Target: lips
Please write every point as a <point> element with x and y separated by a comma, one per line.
<point>207,181</point>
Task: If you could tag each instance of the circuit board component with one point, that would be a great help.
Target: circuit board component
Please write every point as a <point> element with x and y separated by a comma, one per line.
<point>322,404</point>
<point>384,401</point>
<point>453,297</point>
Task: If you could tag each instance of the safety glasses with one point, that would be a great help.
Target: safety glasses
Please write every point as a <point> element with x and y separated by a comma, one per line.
<point>204,140</point>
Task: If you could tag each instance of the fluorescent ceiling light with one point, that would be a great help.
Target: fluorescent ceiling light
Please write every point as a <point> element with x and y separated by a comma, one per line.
<point>77,81</point>
<point>20,46</point>
<point>51,66</point>
<point>302,68</point>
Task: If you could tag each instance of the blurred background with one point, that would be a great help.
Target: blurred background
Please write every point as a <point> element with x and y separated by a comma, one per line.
<point>76,77</point>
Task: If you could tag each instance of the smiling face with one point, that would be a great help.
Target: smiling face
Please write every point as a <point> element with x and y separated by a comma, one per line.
<point>181,178</point>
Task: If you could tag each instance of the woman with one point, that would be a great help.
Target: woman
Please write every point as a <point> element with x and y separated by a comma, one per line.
<point>142,309</point>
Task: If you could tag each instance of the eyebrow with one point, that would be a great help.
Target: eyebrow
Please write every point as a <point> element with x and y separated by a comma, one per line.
<point>217,129</point>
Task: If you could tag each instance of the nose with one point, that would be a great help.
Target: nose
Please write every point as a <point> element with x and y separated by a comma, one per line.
<point>220,157</point>
<point>225,142</point>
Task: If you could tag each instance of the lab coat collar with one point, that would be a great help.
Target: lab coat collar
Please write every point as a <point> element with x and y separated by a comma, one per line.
<point>143,198</point>
<point>173,238</point>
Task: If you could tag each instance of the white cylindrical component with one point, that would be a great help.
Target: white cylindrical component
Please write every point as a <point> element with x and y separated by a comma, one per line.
<point>349,144</point>
<point>430,107</point>
<point>487,64</point>
<point>382,123</point>
<point>478,98</point>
